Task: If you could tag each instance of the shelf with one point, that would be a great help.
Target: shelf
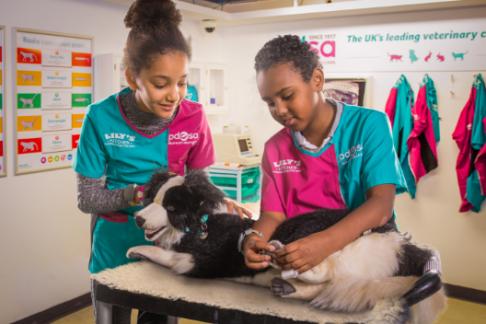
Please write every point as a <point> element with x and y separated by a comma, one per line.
<point>210,82</point>
<point>314,11</point>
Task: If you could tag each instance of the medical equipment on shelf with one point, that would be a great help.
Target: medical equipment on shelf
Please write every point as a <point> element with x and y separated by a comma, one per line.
<point>235,148</point>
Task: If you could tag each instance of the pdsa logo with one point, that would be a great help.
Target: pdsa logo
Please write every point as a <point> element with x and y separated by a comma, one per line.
<point>324,45</point>
<point>351,154</point>
<point>287,165</point>
<point>183,138</point>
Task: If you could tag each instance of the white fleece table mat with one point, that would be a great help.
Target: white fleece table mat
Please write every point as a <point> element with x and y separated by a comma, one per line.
<point>146,278</point>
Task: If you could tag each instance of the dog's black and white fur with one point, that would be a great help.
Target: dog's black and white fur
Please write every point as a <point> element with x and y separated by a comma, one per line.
<point>194,235</point>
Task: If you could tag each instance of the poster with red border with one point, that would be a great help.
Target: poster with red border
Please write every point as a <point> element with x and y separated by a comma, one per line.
<point>53,77</point>
<point>3,170</point>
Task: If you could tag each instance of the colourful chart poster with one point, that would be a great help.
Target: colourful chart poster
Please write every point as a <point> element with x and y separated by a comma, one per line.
<point>53,87</point>
<point>3,170</point>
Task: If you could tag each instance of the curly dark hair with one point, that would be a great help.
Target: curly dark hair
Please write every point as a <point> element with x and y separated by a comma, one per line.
<point>154,30</point>
<point>288,49</point>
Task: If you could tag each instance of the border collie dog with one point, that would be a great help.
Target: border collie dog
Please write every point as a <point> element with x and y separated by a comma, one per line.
<point>193,235</point>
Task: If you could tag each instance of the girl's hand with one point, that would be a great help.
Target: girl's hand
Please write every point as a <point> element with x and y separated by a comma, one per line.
<point>303,254</point>
<point>235,208</point>
<point>253,246</point>
<point>134,194</point>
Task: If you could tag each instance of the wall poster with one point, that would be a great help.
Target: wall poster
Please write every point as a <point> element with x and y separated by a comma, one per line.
<point>347,90</point>
<point>53,87</point>
<point>3,171</point>
<point>404,47</point>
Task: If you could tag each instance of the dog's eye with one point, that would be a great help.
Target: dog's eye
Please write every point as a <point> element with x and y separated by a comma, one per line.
<point>170,208</point>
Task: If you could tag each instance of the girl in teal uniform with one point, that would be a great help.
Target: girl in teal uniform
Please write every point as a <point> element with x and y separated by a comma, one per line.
<point>132,134</point>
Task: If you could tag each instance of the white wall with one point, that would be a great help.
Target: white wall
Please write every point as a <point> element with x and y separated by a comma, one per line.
<point>44,238</point>
<point>432,218</point>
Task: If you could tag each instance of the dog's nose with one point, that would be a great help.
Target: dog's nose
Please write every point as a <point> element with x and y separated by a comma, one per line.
<point>140,221</point>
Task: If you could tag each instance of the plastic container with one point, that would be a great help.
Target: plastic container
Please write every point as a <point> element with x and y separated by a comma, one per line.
<point>228,183</point>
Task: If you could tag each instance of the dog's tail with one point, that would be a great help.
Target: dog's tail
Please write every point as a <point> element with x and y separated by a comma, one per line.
<point>360,295</point>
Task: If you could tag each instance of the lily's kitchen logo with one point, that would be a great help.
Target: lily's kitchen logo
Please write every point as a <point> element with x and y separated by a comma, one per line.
<point>183,138</point>
<point>119,139</point>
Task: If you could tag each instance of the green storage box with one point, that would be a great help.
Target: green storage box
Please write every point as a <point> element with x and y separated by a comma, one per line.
<point>227,181</point>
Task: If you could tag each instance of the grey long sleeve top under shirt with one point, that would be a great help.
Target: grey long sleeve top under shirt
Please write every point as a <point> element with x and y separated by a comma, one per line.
<point>93,197</point>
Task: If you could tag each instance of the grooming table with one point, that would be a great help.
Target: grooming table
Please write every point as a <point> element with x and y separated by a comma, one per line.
<point>149,287</point>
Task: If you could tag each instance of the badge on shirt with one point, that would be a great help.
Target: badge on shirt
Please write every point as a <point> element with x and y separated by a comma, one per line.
<point>183,138</point>
<point>286,165</point>
<point>119,140</point>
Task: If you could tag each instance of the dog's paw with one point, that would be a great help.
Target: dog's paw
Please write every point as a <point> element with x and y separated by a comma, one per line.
<point>281,287</point>
<point>134,254</point>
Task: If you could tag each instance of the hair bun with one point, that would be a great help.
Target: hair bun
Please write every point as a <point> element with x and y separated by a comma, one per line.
<point>150,14</point>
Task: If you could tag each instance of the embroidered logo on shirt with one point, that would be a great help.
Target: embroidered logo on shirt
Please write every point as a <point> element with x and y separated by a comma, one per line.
<point>183,138</point>
<point>287,165</point>
<point>119,139</point>
<point>351,154</point>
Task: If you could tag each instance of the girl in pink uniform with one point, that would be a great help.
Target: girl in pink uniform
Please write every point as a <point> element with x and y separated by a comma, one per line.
<point>328,155</point>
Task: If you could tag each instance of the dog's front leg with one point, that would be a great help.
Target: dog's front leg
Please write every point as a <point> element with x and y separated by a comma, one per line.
<point>321,273</point>
<point>177,262</point>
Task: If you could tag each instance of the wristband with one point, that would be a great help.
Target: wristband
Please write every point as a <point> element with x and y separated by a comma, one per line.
<point>244,234</point>
<point>137,199</point>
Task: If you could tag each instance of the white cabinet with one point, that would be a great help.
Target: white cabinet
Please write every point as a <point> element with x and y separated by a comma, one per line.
<point>109,75</point>
<point>210,81</point>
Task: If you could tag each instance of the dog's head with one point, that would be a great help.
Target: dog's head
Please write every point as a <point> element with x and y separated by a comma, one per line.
<point>175,205</point>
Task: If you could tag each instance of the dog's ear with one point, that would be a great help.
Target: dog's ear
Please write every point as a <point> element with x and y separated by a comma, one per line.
<point>198,183</point>
<point>152,187</point>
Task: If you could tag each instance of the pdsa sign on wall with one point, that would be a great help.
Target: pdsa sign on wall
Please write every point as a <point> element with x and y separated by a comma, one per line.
<point>438,46</point>
<point>53,87</point>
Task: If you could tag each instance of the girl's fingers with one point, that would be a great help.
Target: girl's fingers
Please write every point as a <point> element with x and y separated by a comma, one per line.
<point>291,261</point>
<point>240,211</point>
<point>287,249</point>
<point>255,260</point>
<point>281,261</point>
<point>247,213</point>
<point>261,245</point>
<point>229,207</point>
<point>304,268</point>
<point>257,265</point>
<point>256,249</point>
<point>252,256</point>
